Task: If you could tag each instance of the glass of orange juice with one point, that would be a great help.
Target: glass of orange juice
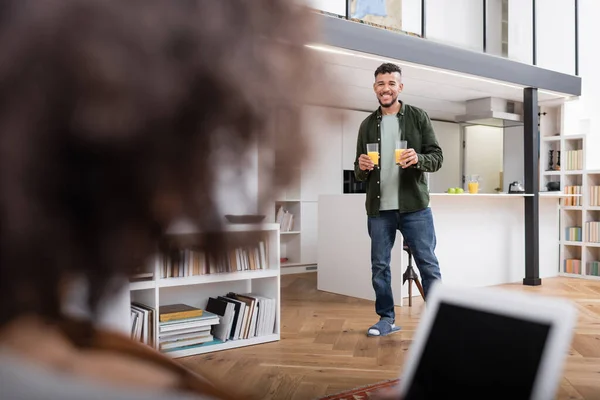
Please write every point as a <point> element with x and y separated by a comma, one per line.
<point>473,184</point>
<point>373,152</point>
<point>400,147</point>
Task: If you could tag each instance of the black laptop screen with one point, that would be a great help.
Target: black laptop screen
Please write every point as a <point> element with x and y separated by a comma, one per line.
<point>474,354</point>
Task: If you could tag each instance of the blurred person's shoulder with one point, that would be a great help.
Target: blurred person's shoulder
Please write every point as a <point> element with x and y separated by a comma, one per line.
<point>22,379</point>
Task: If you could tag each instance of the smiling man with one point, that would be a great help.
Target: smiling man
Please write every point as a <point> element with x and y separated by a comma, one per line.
<point>397,195</point>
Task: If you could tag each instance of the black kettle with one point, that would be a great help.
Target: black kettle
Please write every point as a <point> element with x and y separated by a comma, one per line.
<point>516,187</point>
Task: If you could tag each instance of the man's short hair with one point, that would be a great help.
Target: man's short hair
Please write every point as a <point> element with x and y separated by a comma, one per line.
<point>388,68</point>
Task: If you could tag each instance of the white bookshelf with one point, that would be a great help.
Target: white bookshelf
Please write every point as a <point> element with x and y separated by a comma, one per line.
<point>575,208</point>
<point>195,290</point>
<point>291,240</point>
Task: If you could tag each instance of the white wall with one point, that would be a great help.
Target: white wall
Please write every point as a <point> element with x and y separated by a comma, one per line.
<point>322,169</point>
<point>582,116</point>
<point>333,6</point>
<point>411,16</point>
<point>520,30</point>
<point>494,27</point>
<point>450,175</point>
<point>237,191</point>
<point>483,155</point>
<point>514,156</point>
<point>555,35</point>
<point>350,124</point>
<point>113,313</point>
<point>456,22</point>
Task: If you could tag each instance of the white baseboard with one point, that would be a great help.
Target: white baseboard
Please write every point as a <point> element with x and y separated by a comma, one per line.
<point>300,269</point>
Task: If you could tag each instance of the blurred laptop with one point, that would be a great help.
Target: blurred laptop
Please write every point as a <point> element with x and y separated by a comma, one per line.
<point>488,343</point>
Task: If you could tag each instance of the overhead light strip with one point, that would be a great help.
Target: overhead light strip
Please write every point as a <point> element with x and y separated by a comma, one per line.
<point>424,68</point>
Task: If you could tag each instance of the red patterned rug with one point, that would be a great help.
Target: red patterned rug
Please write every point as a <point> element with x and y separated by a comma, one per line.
<point>363,392</point>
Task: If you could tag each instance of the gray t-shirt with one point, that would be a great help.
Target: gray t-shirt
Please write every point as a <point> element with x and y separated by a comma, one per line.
<point>21,379</point>
<point>390,172</point>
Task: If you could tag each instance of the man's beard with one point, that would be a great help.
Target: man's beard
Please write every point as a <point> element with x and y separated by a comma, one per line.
<point>391,103</point>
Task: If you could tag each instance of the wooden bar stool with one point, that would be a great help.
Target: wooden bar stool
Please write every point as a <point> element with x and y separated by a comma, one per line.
<point>410,275</point>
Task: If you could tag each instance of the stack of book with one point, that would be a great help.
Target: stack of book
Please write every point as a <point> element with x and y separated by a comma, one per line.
<point>285,219</point>
<point>572,201</point>
<point>194,261</point>
<point>594,196</point>
<point>574,160</point>
<point>573,234</point>
<point>252,315</point>
<point>183,326</point>
<point>142,323</point>
<point>592,229</point>
<point>592,268</point>
<point>572,266</point>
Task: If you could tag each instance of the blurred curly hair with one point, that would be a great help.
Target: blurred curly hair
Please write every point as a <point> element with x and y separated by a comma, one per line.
<point>112,114</point>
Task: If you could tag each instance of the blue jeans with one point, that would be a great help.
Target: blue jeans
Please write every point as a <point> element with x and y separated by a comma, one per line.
<point>419,234</point>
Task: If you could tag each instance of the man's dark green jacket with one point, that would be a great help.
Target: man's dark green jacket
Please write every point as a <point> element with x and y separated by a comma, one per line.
<point>416,129</point>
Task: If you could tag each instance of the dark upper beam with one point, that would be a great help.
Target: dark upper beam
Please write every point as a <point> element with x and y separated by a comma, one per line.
<point>355,36</point>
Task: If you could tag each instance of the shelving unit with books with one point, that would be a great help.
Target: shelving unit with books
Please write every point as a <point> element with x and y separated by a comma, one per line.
<point>237,294</point>
<point>288,214</point>
<point>571,255</point>
<point>550,149</point>
<point>572,226</point>
<point>579,188</point>
<point>592,263</point>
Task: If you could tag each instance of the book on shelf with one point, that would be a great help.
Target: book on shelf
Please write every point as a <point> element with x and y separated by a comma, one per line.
<point>233,316</point>
<point>142,323</point>
<point>574,160</point>
<point>594,196</point>
<point>195,261</point>
<point>285,219</point>
<point>572,266</point>
<point>261,315</point>
<point>187,331</point>
<point>178,311</point>
<point>573,234</point>
<point>592,268</point>
<point>572,201</point>
<point>592,231</point>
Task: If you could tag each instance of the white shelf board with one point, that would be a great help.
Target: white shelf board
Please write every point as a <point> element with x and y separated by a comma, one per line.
<point>551,173</point>
<point>230,344</point>
<point>185,227</point>
<point>579,276</point>
<point>290,233</point>
<point>558,194</point>
<point>574,172</point>
<point>288,201</point>
<point>292,264</point>
<point>592,244</point>
<point>593,208</point>
<point>574,137</point>
<point>142,285</point>
<point>571,243</point>
<point>215,278</point>
<point>573,208</point>
<point>481,194</point>
<point>568,275</point>
<point>251,227</point>
<point>551,138</point>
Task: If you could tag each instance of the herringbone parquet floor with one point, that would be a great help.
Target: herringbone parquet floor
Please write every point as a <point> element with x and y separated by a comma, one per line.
<point>324,348</point>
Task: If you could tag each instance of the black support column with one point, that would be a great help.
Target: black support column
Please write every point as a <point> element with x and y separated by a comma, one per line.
<point>531,165</point>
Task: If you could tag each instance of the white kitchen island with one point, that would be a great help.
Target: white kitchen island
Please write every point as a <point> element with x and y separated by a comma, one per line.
<point>480,242</point>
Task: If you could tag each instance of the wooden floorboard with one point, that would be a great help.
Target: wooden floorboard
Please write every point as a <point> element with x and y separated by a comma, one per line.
<point>324,348</point>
